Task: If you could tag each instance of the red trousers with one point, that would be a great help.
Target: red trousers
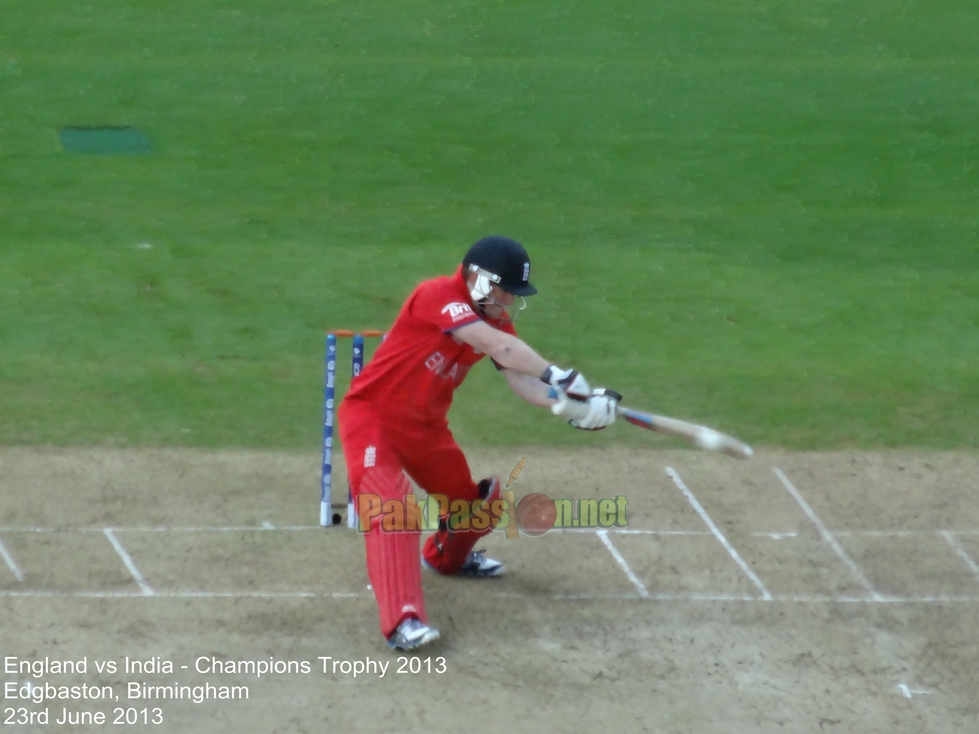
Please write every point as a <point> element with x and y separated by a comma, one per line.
<point>379,450</point>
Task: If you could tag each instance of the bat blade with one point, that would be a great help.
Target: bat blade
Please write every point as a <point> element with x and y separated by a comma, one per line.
<point>701,436</point>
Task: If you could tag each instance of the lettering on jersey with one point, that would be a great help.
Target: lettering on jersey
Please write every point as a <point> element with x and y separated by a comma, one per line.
<point>436,363</point>
<point>459,311</point>
<point>370,456</point>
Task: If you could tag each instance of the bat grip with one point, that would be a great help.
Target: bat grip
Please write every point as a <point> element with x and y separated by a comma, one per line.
<point>571,408</point>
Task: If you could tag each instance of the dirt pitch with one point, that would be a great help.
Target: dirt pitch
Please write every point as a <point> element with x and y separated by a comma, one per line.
<point>793,593</point>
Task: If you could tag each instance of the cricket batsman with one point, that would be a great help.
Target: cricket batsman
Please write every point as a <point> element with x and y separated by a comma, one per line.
<point>393,421</point>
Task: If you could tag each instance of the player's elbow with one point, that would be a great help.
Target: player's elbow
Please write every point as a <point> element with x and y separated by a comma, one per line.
<point>481,337</point>
<point>494,347</point>
<point>502,348</point>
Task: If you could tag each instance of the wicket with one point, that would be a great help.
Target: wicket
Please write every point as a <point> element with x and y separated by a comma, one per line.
<point>329,404</point>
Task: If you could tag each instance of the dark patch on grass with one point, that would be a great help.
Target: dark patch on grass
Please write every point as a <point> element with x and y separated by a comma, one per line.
<point>104,140</point>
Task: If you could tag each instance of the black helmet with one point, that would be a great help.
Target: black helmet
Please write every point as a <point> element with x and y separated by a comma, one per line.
<point>504,259</point>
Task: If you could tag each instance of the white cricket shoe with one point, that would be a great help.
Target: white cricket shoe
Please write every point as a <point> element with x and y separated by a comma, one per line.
<point>477,566</point>
<point>412,633</point>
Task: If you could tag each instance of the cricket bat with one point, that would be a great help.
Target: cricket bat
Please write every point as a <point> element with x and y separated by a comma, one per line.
<point>701,436</point>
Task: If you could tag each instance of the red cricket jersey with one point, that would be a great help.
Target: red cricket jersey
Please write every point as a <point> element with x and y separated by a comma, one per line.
<point>416,369</point>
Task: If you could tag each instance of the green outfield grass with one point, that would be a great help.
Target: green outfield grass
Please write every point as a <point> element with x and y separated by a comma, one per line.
<point>761,216</point>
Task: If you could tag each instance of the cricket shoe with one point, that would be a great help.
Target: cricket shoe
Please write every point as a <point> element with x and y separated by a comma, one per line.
<point>412,633</point>
<point>477,566</point>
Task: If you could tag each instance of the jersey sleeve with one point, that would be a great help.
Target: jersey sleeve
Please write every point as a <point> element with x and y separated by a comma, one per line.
<point>440,304</point>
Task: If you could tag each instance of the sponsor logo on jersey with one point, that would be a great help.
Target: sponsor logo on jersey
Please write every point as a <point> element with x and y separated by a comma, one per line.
<point>370,456</point>
<point>458,311</point>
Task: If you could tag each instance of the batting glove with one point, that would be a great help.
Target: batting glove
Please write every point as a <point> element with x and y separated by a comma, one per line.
<point>570,382</point>
<point>601,410</point>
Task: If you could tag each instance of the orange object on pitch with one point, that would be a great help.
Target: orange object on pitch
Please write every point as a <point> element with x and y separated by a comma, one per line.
<point>350,332</point>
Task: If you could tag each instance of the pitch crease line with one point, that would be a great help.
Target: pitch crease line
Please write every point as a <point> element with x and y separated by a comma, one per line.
<point>788,598</point>
<point>11,563</point>
<point>961,553</point>
<point>182,594</point>
<point>603,534</point>
<point>628,531</point>
<point>827,535</point>
<point>147,589</point>
<point>717,533</point>
<point>614,531</point>
<point>266,526</point>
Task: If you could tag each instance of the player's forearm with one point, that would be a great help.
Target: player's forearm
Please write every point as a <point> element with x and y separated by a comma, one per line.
<point>515,354</point>
<point>530,389</point>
